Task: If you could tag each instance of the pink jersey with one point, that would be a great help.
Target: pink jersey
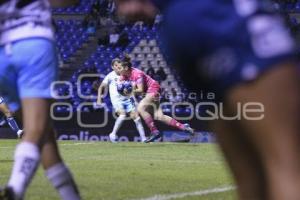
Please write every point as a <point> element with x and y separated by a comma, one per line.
<point>137,76</point>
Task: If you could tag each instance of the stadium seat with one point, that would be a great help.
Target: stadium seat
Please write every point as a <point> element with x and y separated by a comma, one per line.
<point>142,48</point>
<point>143,43</point>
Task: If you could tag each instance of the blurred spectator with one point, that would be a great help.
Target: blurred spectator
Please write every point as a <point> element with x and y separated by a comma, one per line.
<point>90,23</point>
<point>163,95</point>
<point>123,39</point>
<point>107,8</point>
<point>160,74</point>
<point>103,8</point>
<point>113,39</point>
<point>174,97</point>
<point>150,72</point>
<point>95,11</point>
<point>138,25</point>
<point>284,5</point>
<point>158,19</point>
<point>111,8</point>
<point>108,27</point>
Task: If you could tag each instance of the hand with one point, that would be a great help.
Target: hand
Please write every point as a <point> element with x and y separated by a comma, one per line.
<point>99,102</point>
<point>97,105</point>
<point>136,10</point>
<point>126,92</point>
<point>134,86</point>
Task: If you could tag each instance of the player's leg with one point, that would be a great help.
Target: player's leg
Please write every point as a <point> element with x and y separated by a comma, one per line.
<point>37,72</point>
<point>276,137</point>
<point>160,116</point>
<point>138,123</point>
<point>27,154</point>
<point>10,119</point>
<point>56,170</point>
<point>145,109</point>
<point>4,109</point>
<point>242,159</point>
<point>118,123</point>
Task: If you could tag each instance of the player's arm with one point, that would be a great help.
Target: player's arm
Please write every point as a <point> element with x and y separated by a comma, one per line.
<point>101,89</point>
<point>62,3</point>
<point>136,9</point>
<point>138,88</point>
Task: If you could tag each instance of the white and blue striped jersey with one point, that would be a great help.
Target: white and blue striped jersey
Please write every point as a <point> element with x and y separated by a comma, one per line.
<point>112,80</point>
<point>21,19</point>
<point>119,102</point>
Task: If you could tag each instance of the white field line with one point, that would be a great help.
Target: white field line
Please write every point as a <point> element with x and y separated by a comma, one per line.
<point>161,197</point>
<point>78,143</point>
<point>186,194</point>
<point>97,142</point>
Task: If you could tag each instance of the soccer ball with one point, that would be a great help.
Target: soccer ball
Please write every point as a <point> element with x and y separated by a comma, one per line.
<point>125,88</point>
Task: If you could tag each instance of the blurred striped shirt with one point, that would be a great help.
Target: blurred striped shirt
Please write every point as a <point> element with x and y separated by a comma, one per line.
<point>21,19</point>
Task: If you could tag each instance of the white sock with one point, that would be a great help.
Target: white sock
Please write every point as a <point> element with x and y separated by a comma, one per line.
<point>61,178</point>
<point>118,124</point>
<point>26,161</point>
<point>140,128</point>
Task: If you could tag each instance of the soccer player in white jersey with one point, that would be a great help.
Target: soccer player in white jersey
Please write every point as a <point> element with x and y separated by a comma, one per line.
<point>122,104</point>
<point>9,118</point>
<point>28,66</point>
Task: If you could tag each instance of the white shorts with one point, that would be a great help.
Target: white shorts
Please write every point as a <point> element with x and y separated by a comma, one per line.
<point>127,105</point>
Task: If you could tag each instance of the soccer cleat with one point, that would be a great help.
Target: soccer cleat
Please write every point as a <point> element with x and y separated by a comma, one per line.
<point>153,137</point>
<point>7,194</point>
<point>113,138</point>
<point>188,129</point>
<point>20,133</point>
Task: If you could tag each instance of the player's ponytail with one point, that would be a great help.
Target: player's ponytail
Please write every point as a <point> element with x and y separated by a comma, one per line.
<point>127,61</point>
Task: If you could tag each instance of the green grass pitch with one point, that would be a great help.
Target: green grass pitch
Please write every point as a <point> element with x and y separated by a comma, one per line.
<point>133,171</point>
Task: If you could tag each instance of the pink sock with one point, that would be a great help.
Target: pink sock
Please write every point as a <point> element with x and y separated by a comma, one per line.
<point>174,123</point>
<point>150,123</point>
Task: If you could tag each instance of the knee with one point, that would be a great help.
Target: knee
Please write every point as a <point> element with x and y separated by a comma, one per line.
<point>141,108</point>
<point>159,116</point>
<point>133,115</point>
<point>38,134</point>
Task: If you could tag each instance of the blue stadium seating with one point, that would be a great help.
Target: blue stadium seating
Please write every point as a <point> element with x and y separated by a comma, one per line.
<point>70,36</point>
<point>83,8</point>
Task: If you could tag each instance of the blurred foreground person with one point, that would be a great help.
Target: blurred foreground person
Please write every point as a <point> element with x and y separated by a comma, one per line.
<point>241,51</point>
<point>9,118</point>
<point>28,67</point>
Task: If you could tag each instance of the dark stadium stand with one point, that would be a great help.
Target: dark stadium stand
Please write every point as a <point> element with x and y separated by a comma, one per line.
<point>142,46</point>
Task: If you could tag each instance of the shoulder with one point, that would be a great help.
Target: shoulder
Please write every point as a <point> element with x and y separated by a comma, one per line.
<point>137,71</point>
<point>111,74</point>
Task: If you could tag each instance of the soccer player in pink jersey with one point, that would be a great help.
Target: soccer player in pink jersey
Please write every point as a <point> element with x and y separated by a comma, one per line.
<point>149,107</point>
